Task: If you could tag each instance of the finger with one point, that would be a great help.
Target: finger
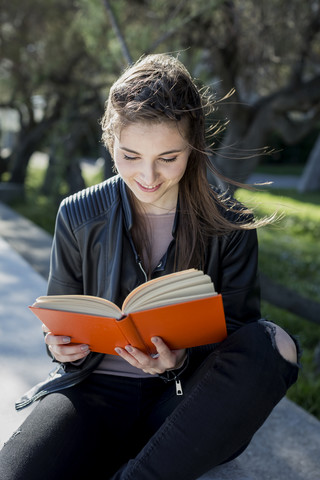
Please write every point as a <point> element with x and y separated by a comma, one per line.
<point>161,347</point>
<point>140,360</point>
<point>128,355</point>
<point>167,357</point>
<point>51,339</point>
<point>68,358</point>
<point>143,361</point>
<point>69,353</point>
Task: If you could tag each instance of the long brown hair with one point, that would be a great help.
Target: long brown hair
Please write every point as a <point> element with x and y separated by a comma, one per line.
<point>159,88</point>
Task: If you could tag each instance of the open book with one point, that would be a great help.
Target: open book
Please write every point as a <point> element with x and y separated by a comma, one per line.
<point>182,308</point>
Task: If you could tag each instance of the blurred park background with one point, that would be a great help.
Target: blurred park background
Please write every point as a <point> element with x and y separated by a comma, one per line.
<point>58,60</point>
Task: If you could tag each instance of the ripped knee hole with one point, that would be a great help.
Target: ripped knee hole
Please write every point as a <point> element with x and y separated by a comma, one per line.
<point>281,341</point>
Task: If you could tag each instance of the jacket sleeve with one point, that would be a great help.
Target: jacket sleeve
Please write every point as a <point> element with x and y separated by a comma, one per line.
<point>65,277</point>
<point>239,283</point>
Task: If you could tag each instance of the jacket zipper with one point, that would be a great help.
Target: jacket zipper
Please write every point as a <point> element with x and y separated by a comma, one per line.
<point>179,390</point>
<point>142,269</point>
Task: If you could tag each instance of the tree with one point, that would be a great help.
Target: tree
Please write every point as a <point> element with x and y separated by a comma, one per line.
<point>67,52</point>
<point>310,179</point>
<point>267,51</point>
<point>45,56</point>
<point>271,60</point>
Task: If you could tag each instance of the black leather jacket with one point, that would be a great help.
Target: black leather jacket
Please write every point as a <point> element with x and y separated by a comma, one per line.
<point>93,254</point>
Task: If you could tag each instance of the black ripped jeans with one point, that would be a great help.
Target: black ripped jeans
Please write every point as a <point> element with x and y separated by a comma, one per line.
<point>139,429</point>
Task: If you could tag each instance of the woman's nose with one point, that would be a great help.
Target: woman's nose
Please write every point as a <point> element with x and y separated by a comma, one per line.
<point>149,173</point>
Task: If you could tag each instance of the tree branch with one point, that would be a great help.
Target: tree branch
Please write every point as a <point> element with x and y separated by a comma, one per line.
<point>309,35</point>
<point>117,31</point>
<point>170,32</point>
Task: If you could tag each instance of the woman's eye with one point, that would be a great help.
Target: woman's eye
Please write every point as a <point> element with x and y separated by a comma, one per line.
<point>127,157</point>
<point>168,160</point>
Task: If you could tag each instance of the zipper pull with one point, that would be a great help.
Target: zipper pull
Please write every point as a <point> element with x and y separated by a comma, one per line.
<point>179,390</point>
<point>142,269</point>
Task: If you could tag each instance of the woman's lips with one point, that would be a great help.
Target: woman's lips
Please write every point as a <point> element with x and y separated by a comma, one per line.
<point>148,189</point>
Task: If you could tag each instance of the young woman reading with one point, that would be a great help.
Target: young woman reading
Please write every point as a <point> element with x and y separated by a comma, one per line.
<point>118,416</point>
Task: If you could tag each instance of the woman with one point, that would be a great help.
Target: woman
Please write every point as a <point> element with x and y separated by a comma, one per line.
<point>118,416</point>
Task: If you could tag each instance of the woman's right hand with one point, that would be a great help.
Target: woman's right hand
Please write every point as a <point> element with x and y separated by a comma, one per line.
<point>62,352</point>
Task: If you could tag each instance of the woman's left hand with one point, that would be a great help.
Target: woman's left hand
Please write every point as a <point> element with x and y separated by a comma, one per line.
<point>165,360</point>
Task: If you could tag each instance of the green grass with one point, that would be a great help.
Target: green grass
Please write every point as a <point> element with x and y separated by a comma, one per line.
<point>289,254</point>
<point>289,249</point>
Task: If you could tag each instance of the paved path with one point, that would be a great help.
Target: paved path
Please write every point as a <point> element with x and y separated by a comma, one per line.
<point>287,447</point>
<point>23,361</point>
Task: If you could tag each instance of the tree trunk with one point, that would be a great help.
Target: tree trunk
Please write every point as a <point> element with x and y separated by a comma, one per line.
<point>74,176</point>
<point>19,159</point>
<point>29,141</point>
<point>3,166</point>
<point>310,179</point>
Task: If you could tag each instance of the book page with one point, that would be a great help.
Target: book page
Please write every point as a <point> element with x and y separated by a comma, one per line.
<point>168,289</point>
<point>172,284</point>
<point>173,296</point>
<point>171,301</point>
<point>80,304</point>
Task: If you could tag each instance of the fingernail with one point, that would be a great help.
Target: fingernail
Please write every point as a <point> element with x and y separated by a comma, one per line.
<point>118,350</point>
<point>84,348</point>
<point>66,339</point>
<point>154,339</point>
<point>129,348</point>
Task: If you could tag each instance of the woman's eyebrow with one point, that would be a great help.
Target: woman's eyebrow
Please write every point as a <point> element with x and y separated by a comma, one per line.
<point>163,153</point>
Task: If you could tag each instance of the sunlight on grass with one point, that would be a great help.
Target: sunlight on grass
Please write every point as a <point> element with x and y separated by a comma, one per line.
<point>289,249</point>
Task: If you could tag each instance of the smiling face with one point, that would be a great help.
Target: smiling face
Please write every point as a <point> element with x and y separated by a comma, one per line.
<point>151,159</point>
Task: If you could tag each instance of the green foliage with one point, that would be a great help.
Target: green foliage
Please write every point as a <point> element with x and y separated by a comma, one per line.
<point>91,20</point>
<point>67,53</point>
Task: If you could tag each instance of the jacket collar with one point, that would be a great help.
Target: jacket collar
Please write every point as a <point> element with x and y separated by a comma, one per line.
<point>126,205</point>
<point>128,212</point>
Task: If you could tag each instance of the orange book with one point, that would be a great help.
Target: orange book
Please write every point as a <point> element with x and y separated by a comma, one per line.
<point>182,308</point>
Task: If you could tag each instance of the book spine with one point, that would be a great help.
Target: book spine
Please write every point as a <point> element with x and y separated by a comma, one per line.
<point>129,330</point>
